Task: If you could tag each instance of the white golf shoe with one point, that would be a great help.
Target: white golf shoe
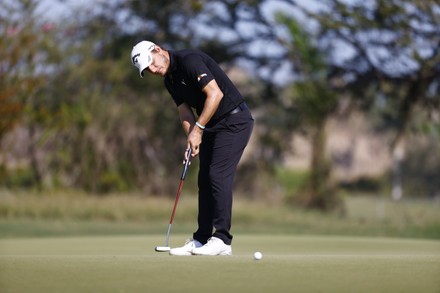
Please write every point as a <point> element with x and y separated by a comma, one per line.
<point>190,244</point>
<point>214,246</point>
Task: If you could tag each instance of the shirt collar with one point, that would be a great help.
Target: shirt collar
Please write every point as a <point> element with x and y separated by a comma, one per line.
<point>173,61</point>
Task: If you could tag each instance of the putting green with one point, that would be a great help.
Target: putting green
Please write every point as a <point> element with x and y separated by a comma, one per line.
<point>289,264</point>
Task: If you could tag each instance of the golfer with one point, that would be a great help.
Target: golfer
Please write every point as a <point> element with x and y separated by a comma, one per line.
<point>217,132</point>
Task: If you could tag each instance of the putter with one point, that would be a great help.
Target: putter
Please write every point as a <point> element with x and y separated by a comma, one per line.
<point>182,178</point>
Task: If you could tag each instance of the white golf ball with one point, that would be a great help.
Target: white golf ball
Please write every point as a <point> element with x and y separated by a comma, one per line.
<point>258,255</point>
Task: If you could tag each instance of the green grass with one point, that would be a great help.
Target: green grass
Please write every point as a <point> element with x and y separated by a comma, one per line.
<point>77,243</point>
<point>30,215</point>
<point>289,264</point>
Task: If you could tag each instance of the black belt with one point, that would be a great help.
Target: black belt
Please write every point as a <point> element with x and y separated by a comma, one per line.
<point>236,110</point>
<point>239,108</point>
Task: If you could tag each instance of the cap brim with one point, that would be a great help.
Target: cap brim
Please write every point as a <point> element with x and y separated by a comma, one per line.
<point>143,62</point>
<point>141,72</point>
<point>143,66</point>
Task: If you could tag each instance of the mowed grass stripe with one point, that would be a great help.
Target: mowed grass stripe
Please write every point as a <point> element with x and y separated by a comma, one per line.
<point>289,264</point>
<point>237,274</point>
<point>241,244</point>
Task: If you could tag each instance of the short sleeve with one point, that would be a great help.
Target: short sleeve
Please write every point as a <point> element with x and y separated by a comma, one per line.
<point>197,71</point>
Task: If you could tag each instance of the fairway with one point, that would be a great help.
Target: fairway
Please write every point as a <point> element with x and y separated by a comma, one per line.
<point>289,264</point>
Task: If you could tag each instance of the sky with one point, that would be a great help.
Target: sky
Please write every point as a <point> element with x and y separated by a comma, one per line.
<point>55,10</point>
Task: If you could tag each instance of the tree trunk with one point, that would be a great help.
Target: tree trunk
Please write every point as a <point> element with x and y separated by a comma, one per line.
<point>37,177</point>
<point>398,154</point>
<point>318,192</point>
<point>397,147</point>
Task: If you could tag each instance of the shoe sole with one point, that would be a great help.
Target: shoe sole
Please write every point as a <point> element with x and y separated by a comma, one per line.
<point>181,251</point>
<point>221,253</point>
<point>181,254</point>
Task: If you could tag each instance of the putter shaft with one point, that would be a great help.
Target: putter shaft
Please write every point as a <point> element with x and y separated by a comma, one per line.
<point>179,190</point>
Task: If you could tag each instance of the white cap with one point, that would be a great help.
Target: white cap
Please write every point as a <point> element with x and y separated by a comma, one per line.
<point>141,55</point>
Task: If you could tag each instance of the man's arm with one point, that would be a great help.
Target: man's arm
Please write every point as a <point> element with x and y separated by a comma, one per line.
<point>187,118</point>
<point>213,97</point>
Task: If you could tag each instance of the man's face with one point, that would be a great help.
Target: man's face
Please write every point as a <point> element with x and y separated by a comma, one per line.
<point>160,63</point>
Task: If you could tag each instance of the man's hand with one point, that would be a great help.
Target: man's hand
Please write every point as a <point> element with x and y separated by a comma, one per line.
<point>194,140</point>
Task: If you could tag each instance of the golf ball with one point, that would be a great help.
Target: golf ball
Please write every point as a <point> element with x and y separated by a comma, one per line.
<point>258,255</point>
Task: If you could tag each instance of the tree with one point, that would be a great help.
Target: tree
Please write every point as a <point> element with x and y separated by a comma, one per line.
<point>315,102</point>
<point>101,128</point>
<point>27,52</point>
<point>395,50</point>
<point>390,66</point>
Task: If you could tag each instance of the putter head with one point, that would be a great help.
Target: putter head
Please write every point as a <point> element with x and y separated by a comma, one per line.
<point>162,248</point>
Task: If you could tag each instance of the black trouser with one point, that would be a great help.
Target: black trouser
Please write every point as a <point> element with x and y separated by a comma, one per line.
<point>221,149</point>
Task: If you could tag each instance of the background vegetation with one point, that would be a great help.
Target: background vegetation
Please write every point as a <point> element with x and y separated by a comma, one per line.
<point>74,115</point>
<point>73,214</point>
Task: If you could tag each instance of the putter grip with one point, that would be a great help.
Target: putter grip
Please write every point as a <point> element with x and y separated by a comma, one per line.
<point>185,167</point>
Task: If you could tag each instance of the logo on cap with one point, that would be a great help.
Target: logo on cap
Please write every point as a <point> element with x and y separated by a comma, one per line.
<point>134,58</point>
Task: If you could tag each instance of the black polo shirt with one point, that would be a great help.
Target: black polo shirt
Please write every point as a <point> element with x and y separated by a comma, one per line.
<point>190,71</point>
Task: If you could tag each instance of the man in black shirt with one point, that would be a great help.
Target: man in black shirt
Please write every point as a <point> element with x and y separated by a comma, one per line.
<point>217,133</point>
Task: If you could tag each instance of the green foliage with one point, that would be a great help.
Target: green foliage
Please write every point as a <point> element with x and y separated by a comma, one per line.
<point>17,179</point>
<point>22,48</point>
<point>315,100</point>
<point>368,185</point>
<point>91,118</point>
<point>82,214</point>
<point>421,169</point>
<point>403,79</point>
<point>85,120</point>
<point>292,181</point>
<point>306,56</point>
